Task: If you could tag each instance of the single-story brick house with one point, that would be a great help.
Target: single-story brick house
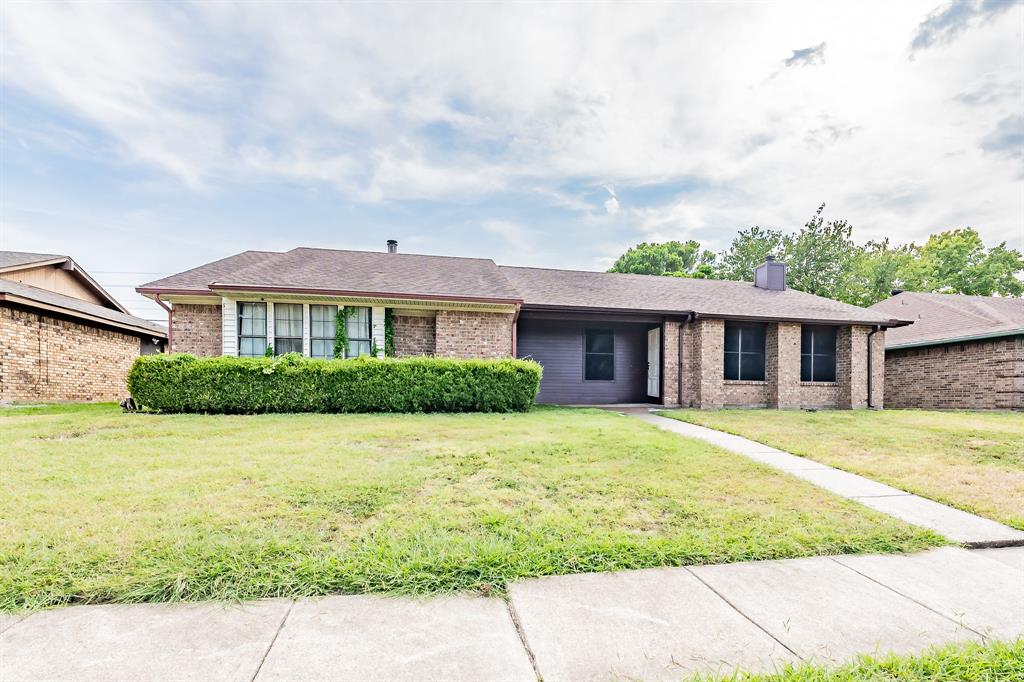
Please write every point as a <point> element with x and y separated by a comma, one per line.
<point>962,352</point>
<point>601,337</point>
<point>62,337</point>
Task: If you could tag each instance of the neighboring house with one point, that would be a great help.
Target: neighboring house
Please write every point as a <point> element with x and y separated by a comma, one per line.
<point>601,337</point>
<point>62,337</point>
<point>962,352</point>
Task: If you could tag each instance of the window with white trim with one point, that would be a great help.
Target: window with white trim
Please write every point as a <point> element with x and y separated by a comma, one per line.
<point>252,329</point>
<point>322,325</point>
<point>287,328</point>
<point>357,325</point>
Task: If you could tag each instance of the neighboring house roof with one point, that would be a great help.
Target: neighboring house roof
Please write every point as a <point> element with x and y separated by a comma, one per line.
<point>12,261</point>
<point>15,260</point>
<point>948,318</point>
<point>374,273</point>
<point>42,299</point>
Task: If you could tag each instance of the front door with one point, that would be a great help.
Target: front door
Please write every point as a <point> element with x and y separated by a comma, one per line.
<point>654,363</point>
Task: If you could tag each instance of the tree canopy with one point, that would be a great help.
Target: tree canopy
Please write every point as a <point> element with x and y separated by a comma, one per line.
<point>823,259</point>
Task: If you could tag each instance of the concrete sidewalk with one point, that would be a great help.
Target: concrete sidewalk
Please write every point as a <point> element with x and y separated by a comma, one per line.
<point>661,623</point>
<point>959,526</point>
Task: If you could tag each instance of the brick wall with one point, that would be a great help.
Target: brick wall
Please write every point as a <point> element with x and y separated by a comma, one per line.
<point>414,335</point>
<point>462,334</point>
<point>976,375</point>
<point>45,358</point>
<point>670,363</point>
<point>197,329</point>
<point>704,386</point>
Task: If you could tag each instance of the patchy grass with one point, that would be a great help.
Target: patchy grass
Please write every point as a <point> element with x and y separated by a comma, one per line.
<point>100,506</point>
<point>973,662</point>
<point>970,460</point>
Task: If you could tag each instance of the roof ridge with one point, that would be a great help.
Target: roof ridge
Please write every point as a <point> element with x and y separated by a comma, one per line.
<point>385,253</point>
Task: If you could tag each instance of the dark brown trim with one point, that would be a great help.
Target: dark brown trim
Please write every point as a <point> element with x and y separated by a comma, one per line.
<point>363,294</point>
<point>175,292</point>
<point>805,320</point>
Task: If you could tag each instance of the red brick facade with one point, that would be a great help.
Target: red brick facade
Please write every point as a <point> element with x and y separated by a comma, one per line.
<point>462,334</point>
<point>46,358</point>
<point>976,375</point>
<point>414,335</point>
<point>197,330</point>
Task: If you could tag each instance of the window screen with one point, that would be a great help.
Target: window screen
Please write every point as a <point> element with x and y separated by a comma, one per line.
<point>744,351</point>
<point>252,329</point>
<point>357,325</point>
<point>322,323</point>
<point>599,355</point>
<point>817,353</point>
<point>287,328</point>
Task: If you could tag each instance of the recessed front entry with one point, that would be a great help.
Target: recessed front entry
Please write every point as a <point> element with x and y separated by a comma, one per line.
<point>654,362</point>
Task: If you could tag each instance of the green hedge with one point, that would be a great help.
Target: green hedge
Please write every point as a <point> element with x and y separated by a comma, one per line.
<point>293,383</point>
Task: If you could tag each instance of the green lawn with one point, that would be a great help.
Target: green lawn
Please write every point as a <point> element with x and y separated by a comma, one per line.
<point>992,662</point>
<point>100,506</point>
<point>970,460</point>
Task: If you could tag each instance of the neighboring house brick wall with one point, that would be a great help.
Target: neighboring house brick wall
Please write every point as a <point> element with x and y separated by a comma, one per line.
<point>46,358</point>
<point>197,329</point>
<point>975,375</point>
<point>414,335</point>
<point>465,334</point>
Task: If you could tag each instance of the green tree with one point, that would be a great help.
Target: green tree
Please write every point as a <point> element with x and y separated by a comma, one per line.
<point>820,257</point>
<point>877,270</point>
<point>957,262</point>
<point>747,251</point>
<point>678,259</point>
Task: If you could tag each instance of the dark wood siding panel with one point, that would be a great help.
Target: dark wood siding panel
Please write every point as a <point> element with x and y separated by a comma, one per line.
<point>558,346</point>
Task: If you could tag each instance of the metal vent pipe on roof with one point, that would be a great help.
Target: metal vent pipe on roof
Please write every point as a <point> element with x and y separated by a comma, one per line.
<point>392,246</point>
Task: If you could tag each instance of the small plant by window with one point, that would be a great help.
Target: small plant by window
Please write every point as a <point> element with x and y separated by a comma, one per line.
<point>389,333</point>
<point>269,352</point>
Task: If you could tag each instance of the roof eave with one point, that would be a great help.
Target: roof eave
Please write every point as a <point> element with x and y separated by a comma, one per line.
<point>77,314</point>
<point>313,291</point>
<point>956,339</point>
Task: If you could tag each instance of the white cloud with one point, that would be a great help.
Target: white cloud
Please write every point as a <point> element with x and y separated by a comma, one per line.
<point>386,102</point>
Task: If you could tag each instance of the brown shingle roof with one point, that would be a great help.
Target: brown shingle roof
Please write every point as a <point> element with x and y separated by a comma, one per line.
<point>14,259</point>
<point>940,318</point>
<point>374,272</point>
<point>708,297</point>
<point>27,295</point>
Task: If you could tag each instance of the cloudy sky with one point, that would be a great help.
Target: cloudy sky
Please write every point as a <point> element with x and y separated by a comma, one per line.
<point>145,138</point>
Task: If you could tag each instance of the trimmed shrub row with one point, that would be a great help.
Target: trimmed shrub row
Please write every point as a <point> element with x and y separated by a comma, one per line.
<point>293,383</point>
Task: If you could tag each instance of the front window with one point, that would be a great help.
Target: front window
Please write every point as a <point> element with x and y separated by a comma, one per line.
<point>357,325</point>
<point>287,328</point>
<point>599,355</point>
<point>322,325</point>
<point>744,351</point>
<point>252,329</point>
<point>817,353</point>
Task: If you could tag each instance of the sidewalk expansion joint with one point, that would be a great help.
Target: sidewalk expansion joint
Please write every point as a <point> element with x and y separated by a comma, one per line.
<point>518,625</point>
<point>273,640</point>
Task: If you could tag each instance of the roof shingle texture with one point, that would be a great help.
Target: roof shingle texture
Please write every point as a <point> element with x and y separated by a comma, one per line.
<point>477,278</point>
<point>943,317</point>
<point>76,305</point>
<point>12,259</point>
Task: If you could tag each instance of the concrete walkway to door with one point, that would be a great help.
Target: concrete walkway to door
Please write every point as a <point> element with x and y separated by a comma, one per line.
<point>959,526</point>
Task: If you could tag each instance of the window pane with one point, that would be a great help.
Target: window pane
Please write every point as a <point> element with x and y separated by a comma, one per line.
<point>753,339</point>
<point>282,346</point>
<point>824,368</point>
<point>599,367</point>
<point>825,341</point>
<point>358,324</point>
<point>253,347</point>
<point>805,368</point>
<point>732,366</point>
<point>806,338</point>
<point>600,341</point>
<point>732,337</point>
<point>357,348</point>
<point>288,320</point>
<point>321,348</point>
<point>322,321</point>
<point>752,366</point>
